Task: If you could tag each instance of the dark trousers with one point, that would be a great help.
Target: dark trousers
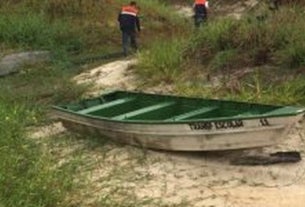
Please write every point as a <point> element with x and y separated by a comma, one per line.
<point>129,38</point>
<point>199,19</point>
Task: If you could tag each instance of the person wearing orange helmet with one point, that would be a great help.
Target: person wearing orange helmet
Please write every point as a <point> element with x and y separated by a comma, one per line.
<point>200,9</point>
<point>129,25</point>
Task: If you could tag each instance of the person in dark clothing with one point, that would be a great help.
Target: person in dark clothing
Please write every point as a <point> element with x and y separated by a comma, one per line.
<point>200,9</point>
<point>129,25</point>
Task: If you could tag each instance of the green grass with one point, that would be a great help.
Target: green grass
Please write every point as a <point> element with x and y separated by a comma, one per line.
<point>256,41</point>
<point>78,29</point>
<point>163,61</point>
<point>29,171</point>
<point>34,31</point>
<point>172,53</point>
<point>27,175</point>
<point>40,86</point>
<point>255,87</point>
<point>225,46</point>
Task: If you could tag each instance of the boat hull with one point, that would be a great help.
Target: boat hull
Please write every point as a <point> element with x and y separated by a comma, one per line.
<point>189,136</point>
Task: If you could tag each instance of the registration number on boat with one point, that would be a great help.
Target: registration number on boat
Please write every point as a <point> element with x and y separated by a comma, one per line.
<point>216,125</point>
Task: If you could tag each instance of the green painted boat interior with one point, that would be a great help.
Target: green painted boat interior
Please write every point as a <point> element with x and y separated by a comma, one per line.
<point>131,106</point>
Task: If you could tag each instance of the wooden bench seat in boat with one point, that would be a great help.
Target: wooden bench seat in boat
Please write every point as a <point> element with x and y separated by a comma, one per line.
<point>106,105</point>
<point>192,113</point>
<point>143,110</point>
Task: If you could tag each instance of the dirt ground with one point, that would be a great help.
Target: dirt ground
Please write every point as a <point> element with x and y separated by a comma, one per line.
<point>126,174</point>
<point>185,178</point>
<point>208,179</point>
<point>178,178</point>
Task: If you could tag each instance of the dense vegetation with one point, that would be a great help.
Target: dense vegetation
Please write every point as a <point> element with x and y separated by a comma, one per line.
<point>264,51</point>
<point>74,32</point>
<point>26,175</point>
<point>258,58</point>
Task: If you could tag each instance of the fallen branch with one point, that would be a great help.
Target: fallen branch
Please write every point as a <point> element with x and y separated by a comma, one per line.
<point>273,158</point>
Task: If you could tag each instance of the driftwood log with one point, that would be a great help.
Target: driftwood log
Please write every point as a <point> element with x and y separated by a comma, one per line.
<point>273,158</point>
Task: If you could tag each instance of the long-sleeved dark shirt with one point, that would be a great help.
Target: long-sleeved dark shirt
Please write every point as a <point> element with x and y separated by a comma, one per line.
<point>200,9</point>
<point>129,20</point>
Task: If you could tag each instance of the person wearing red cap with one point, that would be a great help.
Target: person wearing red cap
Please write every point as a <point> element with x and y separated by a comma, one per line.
<point>129,25</point>
<point>200,9</point>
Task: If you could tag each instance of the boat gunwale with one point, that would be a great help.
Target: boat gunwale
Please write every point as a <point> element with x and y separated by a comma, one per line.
<point>178,121</point>
<point>298,111</point>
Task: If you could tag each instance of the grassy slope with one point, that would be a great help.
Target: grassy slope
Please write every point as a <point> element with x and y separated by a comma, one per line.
<point>78,29</point>
<point>255,59</point>
<point>72,31</point>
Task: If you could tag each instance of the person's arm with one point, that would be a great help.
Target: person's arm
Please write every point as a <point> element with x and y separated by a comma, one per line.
<point>206,4</point>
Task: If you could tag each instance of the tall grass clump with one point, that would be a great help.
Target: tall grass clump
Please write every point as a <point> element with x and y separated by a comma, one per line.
<point>223,60</point>
<point>216,36</point>
<point>277,39</point>
<point>212,45</point>
<point>289,34</point>
<point>27,175</point>
<point>162,62</point>
<point>164,12</point>
<point>290,92</point>
<point>35,31</point>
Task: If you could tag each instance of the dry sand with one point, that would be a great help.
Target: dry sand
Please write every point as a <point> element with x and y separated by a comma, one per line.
<point>112,76</point>
<point>195,179</point>
<point>202,179</point>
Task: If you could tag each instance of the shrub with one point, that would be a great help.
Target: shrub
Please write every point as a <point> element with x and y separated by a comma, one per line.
<point>163,61</point>
<point>34,31</point>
